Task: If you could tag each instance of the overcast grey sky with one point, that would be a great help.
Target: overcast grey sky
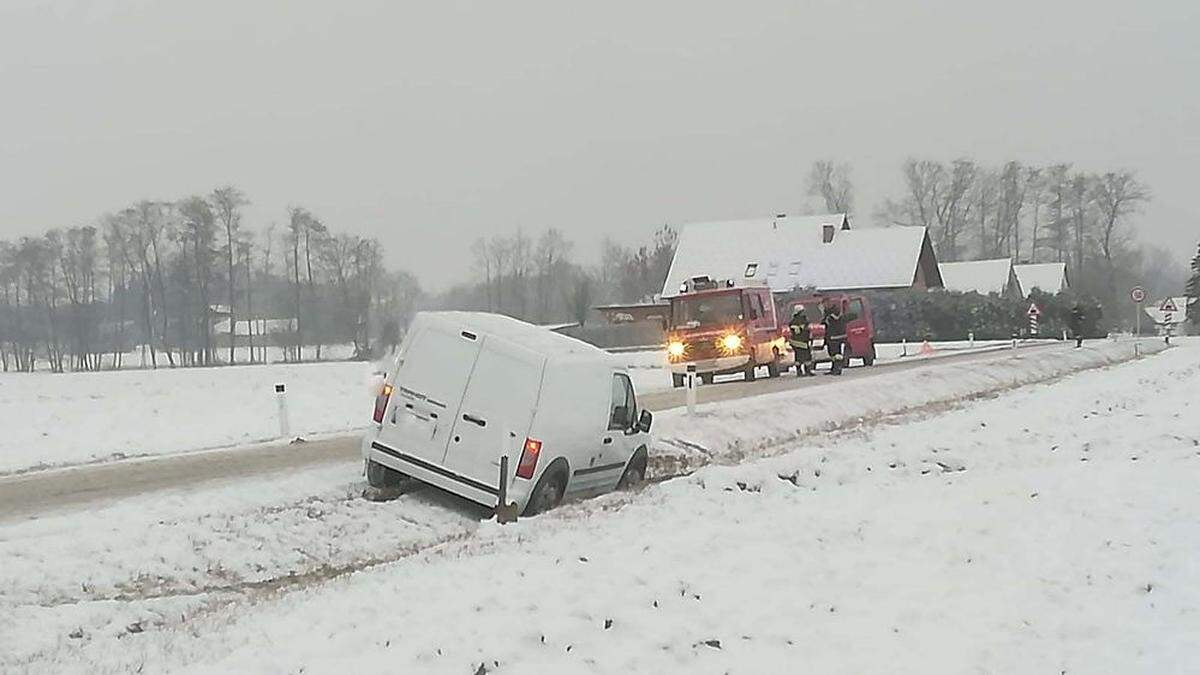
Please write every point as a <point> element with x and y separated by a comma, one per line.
<point>428,124</point>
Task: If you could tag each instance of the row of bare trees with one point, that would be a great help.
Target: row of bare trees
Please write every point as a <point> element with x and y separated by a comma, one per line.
<point>1038,214</point>
<point>1029,213</point>
<point>185,283</point>
<point>536,279</point>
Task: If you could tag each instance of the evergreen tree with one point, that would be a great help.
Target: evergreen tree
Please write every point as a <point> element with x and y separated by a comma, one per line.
<point>1193,289</point>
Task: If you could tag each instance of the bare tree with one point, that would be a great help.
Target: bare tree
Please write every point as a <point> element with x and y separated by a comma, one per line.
<point>481,252</point>
<point>1080,196</point>
<point>1116,195</point>
<point>1057,182</point>
<point>580,296</point>
<point>227,203</point>
<point>199,230</point>
<point>985,198</point>
<point>1034,188</point>
<point>952,206</point>
<point>499,250</point>
<point>314,237</point>
<point>298,219</point>
<point>830,181</point>
<point>552,251</point>
<point>1010,205</point>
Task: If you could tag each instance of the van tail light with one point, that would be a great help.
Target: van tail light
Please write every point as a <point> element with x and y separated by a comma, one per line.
<point>381,402</point>
<point>529,458</point>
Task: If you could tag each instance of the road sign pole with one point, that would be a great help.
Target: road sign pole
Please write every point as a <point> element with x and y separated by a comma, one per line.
<point>1138,295</point>
<point>1137,336</point>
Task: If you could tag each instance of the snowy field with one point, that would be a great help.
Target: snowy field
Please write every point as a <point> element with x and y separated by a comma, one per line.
<point>74,418</point>
<point>1049,528</point>
<point>52,420</point>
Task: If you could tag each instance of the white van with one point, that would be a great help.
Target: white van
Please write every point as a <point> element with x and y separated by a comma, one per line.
<point>469,388</point>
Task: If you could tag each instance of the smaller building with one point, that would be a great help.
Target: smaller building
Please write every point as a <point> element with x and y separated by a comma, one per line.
<point>1047,277</point>
<point>982,276</point>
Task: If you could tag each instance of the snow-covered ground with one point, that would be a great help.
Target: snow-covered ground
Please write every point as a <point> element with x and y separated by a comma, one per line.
<point>648,369</point>
<point>74,418</point>
<point>1048,528</point>
<point>52,420</point>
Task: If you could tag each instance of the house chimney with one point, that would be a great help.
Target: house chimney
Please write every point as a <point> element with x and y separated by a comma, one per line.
<point>827,233</point>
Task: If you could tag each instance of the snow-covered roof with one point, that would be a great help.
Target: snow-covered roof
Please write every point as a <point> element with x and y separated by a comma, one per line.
<point>1047,277</point>
<point>789,252</point>
<point>534,338</point>
<point>978,276</point>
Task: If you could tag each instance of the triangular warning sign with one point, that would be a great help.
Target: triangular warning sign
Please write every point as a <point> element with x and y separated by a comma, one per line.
<point>1168,306</point>
<point>1033,310</point>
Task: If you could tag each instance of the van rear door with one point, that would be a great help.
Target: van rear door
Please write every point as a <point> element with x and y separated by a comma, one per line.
<point>429,386</point>
<point>496,411</point>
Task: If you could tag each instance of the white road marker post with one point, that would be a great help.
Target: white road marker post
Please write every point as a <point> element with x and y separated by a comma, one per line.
<point>690,382</point>
<point>971,339</point>
<point>285,427</point>
<point>904,346</point>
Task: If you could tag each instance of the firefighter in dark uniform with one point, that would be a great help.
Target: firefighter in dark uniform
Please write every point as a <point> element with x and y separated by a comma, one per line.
<point>800,339</point>
<point>1076,325</point>
<point>835,335</point>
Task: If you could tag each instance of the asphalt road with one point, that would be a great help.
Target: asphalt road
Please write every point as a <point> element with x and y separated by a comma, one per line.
<point>28,495</point>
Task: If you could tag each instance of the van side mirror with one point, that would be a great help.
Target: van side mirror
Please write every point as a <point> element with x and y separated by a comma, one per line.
<point>645,421</point>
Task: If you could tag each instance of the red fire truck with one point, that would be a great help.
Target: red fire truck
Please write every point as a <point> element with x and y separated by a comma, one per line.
<point>860,327</point>
<point>725,327</point>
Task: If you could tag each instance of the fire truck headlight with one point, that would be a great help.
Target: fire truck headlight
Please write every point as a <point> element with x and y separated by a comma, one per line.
<point>675,349</point>
<point>731,343</point>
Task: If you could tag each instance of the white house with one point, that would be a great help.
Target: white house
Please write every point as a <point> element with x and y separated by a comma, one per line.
<point>790,252</point>
<point>1047,277</point>
<point>982,277</point>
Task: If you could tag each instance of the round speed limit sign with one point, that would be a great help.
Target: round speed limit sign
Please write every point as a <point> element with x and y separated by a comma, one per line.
<point>1138,294</point>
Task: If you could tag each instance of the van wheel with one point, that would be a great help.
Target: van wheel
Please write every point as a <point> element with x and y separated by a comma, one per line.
<point>706,378</point>
<point>676,380</point>
<point>380,476</point>
<point>635,473</point>
<point>773,366</point>
<point>869,359</point>
<point>750,372</point>
<point>548,493</point>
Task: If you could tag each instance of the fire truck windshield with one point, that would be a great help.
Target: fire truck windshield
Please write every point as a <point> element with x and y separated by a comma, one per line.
<point>707,310</point>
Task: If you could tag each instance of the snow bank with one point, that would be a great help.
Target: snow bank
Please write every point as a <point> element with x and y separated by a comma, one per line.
<point>730,430</point>
<point>649,368</point>
<point>52,420</point>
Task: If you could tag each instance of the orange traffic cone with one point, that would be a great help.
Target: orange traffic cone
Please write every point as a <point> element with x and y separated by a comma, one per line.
<point>926,348</point>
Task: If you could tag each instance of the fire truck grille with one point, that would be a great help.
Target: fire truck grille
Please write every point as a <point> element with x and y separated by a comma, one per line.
<point>703,350</point>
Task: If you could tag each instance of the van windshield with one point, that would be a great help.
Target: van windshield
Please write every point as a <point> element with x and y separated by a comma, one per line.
<point>708,310</point>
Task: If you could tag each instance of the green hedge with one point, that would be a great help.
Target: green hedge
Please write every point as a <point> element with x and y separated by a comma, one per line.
<point>944,315</point>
